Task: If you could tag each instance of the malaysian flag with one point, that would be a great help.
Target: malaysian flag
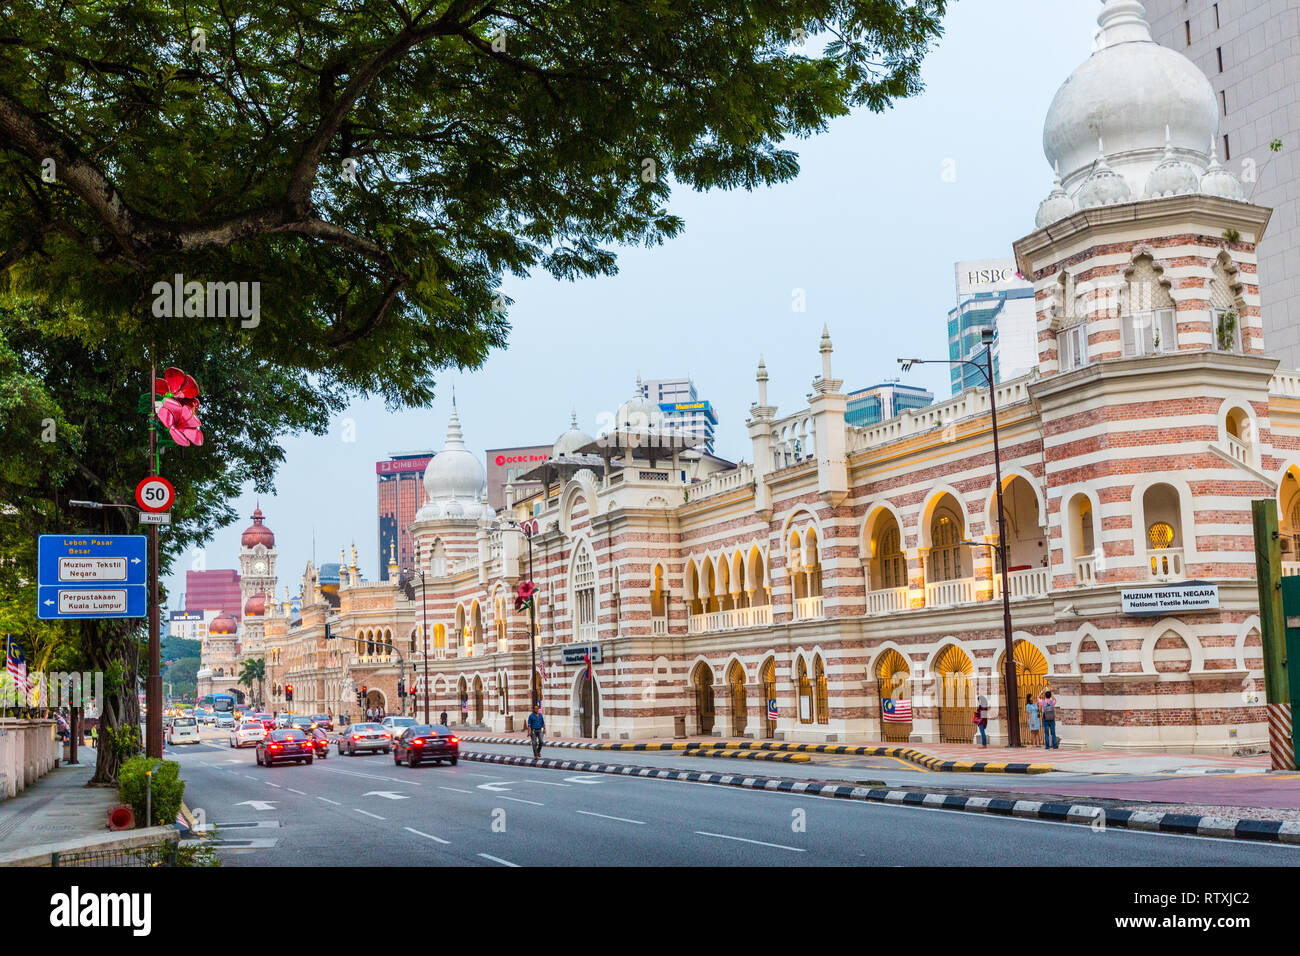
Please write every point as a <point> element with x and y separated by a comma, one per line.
<point>17,666</point>
<point>772,713</point>
<point>541,668</point>
<point>897,711</point>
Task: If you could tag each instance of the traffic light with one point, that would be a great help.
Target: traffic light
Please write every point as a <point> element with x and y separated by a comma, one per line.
<point>288,693</point>
<point>401,688</point>
<point>328,635</point>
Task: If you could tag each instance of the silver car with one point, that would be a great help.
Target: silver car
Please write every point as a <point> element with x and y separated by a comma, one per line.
<point>397,725</point>
<point>358,737</point>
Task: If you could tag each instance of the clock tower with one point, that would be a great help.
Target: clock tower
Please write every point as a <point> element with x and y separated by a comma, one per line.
<point>257,556</point>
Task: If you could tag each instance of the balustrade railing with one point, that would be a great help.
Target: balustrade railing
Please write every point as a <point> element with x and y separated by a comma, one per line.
<point>886,600</point>
<point>1025,583</point>
<point>1165,563</point>
<point>949,593</point>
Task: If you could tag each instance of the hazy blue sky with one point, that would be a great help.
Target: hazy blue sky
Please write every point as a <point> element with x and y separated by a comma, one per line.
<point>870,230</point>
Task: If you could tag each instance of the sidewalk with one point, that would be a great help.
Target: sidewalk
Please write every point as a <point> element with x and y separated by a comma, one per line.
<point>57,807</point>
<point>1061,761</point>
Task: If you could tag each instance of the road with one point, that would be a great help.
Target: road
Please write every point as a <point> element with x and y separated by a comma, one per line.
<point>365,811</point>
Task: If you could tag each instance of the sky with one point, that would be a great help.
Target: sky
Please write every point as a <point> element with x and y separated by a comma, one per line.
<point>869,232</point>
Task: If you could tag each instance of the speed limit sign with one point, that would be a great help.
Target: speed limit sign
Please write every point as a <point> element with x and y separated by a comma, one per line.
<point>154,493</point>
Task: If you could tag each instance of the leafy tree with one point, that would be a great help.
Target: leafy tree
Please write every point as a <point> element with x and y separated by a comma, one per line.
<point>253,671</point>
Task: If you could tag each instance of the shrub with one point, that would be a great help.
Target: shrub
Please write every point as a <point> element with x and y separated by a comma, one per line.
<point>168,789</point>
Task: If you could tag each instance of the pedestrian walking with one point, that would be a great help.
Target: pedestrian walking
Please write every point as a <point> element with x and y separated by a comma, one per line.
<point>442,718</point>
<point>1050,740</point>
<point>1031,716</point>
<point>981,719</point>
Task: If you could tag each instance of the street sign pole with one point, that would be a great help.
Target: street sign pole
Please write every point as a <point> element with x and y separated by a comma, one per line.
<point>153,688</point>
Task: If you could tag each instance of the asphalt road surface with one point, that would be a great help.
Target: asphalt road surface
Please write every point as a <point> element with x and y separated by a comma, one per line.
<point>348,811</point>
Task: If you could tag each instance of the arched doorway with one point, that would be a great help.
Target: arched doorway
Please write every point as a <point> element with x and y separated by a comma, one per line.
<point>375,699</point>
<point>478,699</point>
<point>768,680</point>
<point>1031,679</point>
<point>955,689</point>
<point>586,703</point>
<point>702,679</point>
<point>893,678</point>
<point>462,698</point>
<point>739,701</point>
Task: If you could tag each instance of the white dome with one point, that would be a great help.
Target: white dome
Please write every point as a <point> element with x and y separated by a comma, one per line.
<point>638,412</point>
<point>454,480</point>
<point>1127,93</point>
<point>1104,187</point>
<point>1217,181</point>
<point>573,439</point>
<point>1055,207</point>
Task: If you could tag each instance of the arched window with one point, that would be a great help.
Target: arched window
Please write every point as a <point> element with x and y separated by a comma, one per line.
<point>945,556</point>
<point>584,593</point>
<point>438,559</point>
<point>1162,516</point>
<point>890,562</point>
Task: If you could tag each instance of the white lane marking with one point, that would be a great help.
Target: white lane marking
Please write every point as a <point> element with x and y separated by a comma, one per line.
<point>368,813</point>
<point>257,804</point>
<point>299,792</point>
<point>549,783</point>
<point>778,846</point>
<point>270,784</point>
<point>428,836</point>
<point>517,800</point>
<point>586,778</point>
<point>496,786</point>
<point>474,773</point>
<point>328,800</point>
<point>370,776</point>
<point>497,859</point>
<point>457,789</point>
<point>606,816</point>
<point>387,795</point>
<point>250,776</point>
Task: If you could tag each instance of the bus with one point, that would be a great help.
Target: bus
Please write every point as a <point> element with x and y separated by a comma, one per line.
<point>220,703</point>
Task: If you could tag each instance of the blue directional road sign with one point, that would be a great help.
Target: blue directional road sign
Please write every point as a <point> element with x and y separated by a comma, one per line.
<point>92,576</point>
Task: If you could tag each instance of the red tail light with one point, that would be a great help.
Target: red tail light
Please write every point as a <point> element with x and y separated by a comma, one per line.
<point>417,742</point>
<point>388,735</point>
<point>275,747</point>
<point>356,736</point>
<point>455,740</point>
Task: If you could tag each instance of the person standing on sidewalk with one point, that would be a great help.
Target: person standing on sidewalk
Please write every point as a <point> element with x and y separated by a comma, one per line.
<point>982,720</point>
<point>1031,717</point>
<point>442,718</point>
<point>1050,740</point>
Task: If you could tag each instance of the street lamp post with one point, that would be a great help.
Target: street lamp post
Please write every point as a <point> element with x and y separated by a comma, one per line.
<point>529,528</point>
<point>1009,665</point>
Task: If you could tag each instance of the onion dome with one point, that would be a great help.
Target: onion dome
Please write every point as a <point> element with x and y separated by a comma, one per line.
<point>255,606</point>
<point>1129,91</point>
<point>257,533</point>
<point>1173,177</point>
<point>454,480</point>
<point>573,439</point>
<point>1056,206</point>
<point>1217,181</point>
<point>1104,187</point>
<point>223,623</point>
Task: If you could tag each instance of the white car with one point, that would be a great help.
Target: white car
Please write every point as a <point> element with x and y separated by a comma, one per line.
<point>184,730</point>
<point>397,725</point>
<point>249,734</point>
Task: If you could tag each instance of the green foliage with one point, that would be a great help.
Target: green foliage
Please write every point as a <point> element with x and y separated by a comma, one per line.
<point>1275,146</point>
<point>225,160</point>
<point>1231,235</point>
<point>197,854</point>
<point>122,742</point>
<point>168,788</point>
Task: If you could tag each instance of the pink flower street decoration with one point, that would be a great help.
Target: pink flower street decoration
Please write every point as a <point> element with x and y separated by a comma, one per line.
<point>524,596</point>
<point>178,407</point>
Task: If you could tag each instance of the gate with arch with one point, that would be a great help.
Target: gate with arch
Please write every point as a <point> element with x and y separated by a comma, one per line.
<point>1031,679</point>
<point>893,679</point>
<point>955,695</point>
<point>768,680</point>
<point>702,678</point>
<point>478,699</point>
<point>739,699</point>
<point>462,698</point>
<point>586,703</point>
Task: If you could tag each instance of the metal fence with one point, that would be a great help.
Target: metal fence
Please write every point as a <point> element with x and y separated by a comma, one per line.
<point>154,854</point>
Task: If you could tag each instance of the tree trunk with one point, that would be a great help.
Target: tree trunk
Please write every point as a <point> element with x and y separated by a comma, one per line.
<point>110,647</point>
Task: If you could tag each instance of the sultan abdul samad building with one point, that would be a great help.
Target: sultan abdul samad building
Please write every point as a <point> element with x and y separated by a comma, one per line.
<point>849,565</point>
